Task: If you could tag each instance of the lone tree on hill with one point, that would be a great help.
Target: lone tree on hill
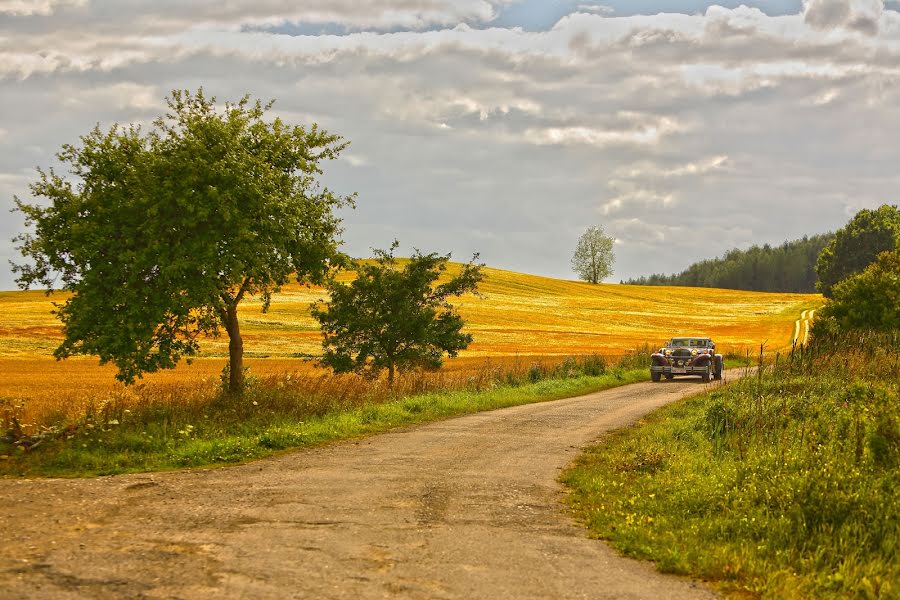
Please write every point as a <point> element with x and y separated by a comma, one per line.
<point>594,256</point>
<point>159,236</point>
<point>855,247</point>
<point>395,318</point>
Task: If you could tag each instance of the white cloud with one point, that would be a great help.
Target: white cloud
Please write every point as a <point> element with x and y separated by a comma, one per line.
<point>860,15</point>
<point>599,9</point>
<point>637,199</point>
<point>699,167</point>
<point>123,96</point>
<point>36,7</point>
<point>634,128</point>
<point>355,159</point>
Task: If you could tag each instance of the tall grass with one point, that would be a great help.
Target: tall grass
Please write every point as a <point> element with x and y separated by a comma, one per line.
<point>783,485</point>
<point>159,427</point>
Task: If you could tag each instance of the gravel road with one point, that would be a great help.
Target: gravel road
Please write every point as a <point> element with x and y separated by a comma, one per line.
<point>464,508</point>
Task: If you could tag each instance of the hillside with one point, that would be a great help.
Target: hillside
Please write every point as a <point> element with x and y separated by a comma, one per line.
<point>519,316</point>
<point>789,267</point>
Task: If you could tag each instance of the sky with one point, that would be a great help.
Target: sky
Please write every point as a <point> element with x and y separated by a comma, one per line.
<point>505,127</point>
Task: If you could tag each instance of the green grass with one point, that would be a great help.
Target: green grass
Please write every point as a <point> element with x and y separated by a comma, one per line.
<point>266,420</point>
<point>779,486</point>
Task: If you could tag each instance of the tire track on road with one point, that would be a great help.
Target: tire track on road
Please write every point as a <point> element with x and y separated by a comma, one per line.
<point>803,324</point>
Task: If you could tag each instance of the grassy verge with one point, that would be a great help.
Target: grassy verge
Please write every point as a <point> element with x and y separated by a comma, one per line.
<point>269,418</point>
<point>783,485</point>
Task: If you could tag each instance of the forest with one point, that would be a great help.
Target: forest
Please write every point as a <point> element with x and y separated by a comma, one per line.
<point>789,267</point>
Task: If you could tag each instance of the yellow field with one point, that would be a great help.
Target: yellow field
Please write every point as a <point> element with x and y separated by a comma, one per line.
<point>519,316</point>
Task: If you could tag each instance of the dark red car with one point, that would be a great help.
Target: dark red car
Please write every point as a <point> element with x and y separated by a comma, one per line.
<point>687,356</point>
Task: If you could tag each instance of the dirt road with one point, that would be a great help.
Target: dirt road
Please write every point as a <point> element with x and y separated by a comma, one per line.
<point>465,508</point>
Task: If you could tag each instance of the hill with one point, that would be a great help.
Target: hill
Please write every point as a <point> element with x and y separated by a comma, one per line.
<point>789,267</point>
<point>519,316</point>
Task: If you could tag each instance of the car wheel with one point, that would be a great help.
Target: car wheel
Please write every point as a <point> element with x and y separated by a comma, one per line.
<point>719,367</point>
<point>705,377</point>
<point>654,377</point>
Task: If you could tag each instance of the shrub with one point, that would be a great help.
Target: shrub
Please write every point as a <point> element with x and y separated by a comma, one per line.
<point>867,300</point>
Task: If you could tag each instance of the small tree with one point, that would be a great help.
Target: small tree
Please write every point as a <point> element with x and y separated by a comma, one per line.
<point>159,236</point>
<point>395,318</point>
<point>867,300</point>
<point>594,256</point>
<point>855,247</point>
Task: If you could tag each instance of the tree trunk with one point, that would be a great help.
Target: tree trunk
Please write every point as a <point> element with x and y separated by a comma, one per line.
<point>235,351</point>
<point>391,375</point>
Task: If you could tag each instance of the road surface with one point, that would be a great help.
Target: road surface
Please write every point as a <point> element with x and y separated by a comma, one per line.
<point>465,508</point>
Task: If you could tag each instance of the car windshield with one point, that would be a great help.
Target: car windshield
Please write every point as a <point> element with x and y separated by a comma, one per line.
<point>686,343</point>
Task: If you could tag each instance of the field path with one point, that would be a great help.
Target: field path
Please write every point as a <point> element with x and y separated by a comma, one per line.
<point>801,326</point>
<point>464,508</point>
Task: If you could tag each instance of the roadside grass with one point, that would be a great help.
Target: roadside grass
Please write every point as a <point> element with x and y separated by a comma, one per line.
<point>204,427</point>
<point>782,485</point>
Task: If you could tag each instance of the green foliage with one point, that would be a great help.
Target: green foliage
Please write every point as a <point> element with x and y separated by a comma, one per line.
<point>866,300</point>
<point>395,318</point>
<point>855,247</point>
<point>594,256</point>
<point>159,235</point>
<point>789,267</point>
<point>783,484</point>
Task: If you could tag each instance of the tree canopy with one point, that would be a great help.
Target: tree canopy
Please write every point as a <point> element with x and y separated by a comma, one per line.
<point>869,233</point>
<point>869,300</point>
<point>594,257</point>
<point>789,267</point>
<point>394,315</point>
<point>159,235</point>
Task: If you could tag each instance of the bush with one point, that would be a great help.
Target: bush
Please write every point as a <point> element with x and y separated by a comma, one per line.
<point>867,300</point>
<point>855,247</point>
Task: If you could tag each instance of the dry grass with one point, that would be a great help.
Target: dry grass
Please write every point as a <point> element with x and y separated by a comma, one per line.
<point>522,319</point>
<point>42,391</point>
<point>519,315</point>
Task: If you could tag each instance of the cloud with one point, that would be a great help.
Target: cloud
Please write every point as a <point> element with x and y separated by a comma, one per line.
<point>859,15</point>
<point>599,9</point>
<point>730,123</point>
<point>36,7</point>
<point>625,128</point>
<point>700,167</point>
<point>641,199</point>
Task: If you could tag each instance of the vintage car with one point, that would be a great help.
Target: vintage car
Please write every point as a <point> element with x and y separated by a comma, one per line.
<point>687,356</point>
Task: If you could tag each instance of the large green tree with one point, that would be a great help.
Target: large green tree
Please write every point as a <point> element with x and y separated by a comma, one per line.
<point>868,300</point>
<point>159,235</point>
<point>395,316</point>
<point>869,233</point>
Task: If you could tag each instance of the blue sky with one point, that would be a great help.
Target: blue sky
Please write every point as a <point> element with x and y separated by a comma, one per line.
<point>539,15</point>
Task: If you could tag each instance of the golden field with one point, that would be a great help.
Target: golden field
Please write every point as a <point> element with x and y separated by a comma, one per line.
<point>519,318</point>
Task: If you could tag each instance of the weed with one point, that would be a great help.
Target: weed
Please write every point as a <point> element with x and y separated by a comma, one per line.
<point>782,485</point>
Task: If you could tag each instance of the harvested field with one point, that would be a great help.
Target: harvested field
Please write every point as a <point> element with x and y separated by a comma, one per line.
<point>520,320</point>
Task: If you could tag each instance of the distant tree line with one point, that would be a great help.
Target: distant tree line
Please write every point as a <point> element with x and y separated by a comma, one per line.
<point>790,267</point>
